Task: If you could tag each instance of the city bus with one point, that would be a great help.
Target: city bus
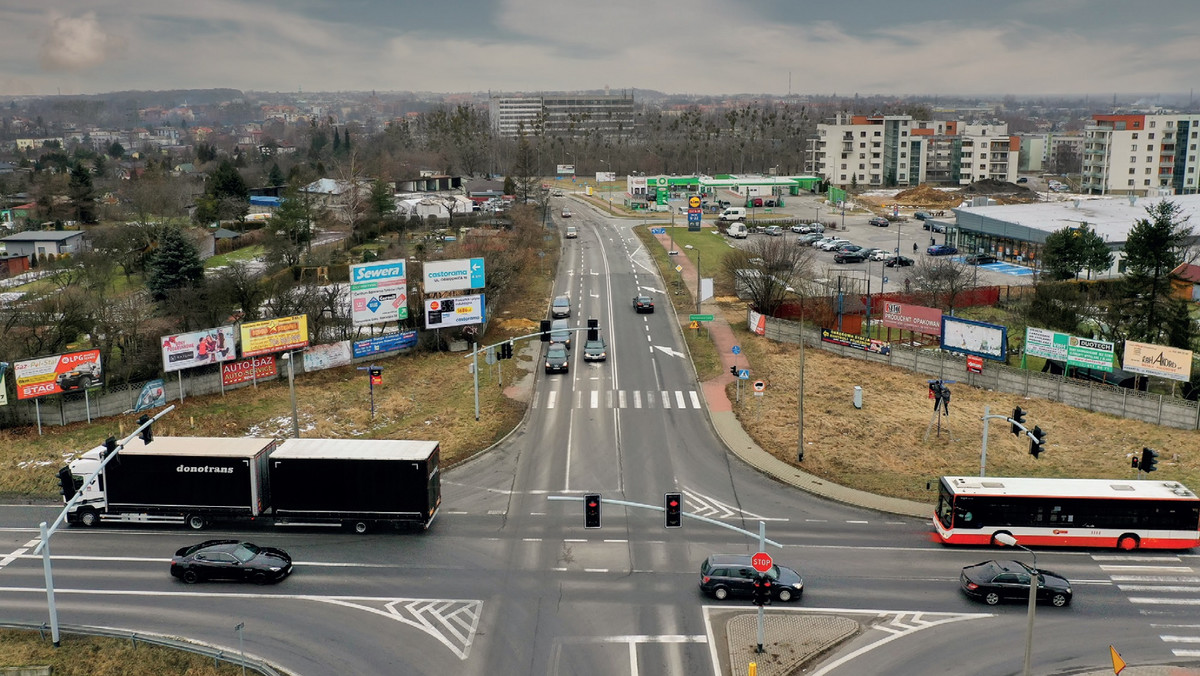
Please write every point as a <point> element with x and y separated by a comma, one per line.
<point>1118,513</point>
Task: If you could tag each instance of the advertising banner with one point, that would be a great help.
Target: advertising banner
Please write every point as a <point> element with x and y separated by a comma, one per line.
<point>246,370</point>
<point>3,385</point>
<point>442,313</point>
<point>274,335</point>
<point>916,318</point>
<point>459,274</point>
<point>606,176</point>
<point>378,292</point>
<point>388,342</point>
<point>1157,360</point>
<point>185,350</point>
<point>989,341</point>
<point>154,394</point>
<point>855,341</point>
<point>57,374</point>
<point>1075,351</point>
<point>320,357</point>
<point>564,169</point>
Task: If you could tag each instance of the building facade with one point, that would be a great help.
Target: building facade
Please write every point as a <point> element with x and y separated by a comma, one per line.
<point>563,115</point>
<point>1141,154</point>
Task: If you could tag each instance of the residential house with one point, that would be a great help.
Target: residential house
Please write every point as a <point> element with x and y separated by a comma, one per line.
<point>44,243</point>
<point>1185,282</point>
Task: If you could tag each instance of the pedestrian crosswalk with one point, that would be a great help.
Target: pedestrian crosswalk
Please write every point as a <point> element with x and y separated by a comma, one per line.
<point>656,399</point>
<point>1160,585</point>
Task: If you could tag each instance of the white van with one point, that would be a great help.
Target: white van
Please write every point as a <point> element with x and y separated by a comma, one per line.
<point>734,214</point>
<point>738,231</point>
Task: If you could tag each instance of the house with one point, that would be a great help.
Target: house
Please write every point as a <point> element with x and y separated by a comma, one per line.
<point>44,243</point>
<point>337,196</point>
<point>1185,282</point>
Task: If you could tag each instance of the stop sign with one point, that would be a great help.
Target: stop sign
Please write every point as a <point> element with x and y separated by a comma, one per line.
<point>761,562</point>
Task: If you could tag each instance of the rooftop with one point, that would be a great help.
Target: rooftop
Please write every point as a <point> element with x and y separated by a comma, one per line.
<point>1110,217</point>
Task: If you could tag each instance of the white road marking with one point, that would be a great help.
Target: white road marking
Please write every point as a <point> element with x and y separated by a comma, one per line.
<point>550,397</point>
<point>666,399</point>
<point>679,398</point>
<point>695,399</point>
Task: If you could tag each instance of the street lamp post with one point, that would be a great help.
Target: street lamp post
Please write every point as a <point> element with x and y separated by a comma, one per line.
<point>1006,539</point>
<point>287,356</point>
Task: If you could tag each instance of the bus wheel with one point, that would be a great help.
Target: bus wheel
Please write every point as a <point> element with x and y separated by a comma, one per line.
<point>1127,542</point>
<point>997,543</point>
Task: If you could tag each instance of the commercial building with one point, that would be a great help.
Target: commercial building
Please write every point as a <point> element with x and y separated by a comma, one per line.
<point>563,115</point>
<point>1141,154</point>
<point>896,151</point>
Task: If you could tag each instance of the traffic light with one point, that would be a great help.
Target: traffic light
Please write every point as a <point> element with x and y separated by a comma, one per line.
<point>1018,416</point>
<point>674,510</point>
<point>762,590</point>
<point>591,510</point>
<point>593,329</point>
<point>1037,441</point>
<point>67,481</point>
<point>545,326</point>
<point>506,350</point>
<point>110,445</point>
<point>376,374</point>
<point>1149,460</point>
<point>733,370</point>
<point>146,435</point>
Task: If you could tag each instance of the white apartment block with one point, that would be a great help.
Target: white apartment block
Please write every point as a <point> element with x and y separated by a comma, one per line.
<point>563,115</point>
<point>1038,151</point>
<point>1141,154</point>
<point>895,150</point>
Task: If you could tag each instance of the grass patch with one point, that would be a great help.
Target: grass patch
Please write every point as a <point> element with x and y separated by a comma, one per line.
<point>246,253</point>
<point>81,655</point>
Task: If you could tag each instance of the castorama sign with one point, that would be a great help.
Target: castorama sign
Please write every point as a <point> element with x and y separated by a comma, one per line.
<point>455,275</point>
<point>378,292</point>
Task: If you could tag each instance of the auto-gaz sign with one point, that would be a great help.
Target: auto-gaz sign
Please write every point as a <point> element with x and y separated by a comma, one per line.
<point>454,275</point>
<point>378,292</point>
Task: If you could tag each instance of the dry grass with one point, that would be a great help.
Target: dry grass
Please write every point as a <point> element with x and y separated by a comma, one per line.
<point>95,656</point>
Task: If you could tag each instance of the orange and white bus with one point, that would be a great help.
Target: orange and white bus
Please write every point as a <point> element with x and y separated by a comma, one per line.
<point>1117,513</point>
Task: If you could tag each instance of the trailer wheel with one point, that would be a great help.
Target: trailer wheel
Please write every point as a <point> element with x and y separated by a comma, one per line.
<point>196,522</point>
<point>360,527</point>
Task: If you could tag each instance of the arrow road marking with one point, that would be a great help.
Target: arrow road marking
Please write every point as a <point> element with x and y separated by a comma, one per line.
<point>668,350</point>
<point>702,505</point>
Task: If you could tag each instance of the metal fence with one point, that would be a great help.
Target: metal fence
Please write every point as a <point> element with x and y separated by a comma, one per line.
<point>1158,409</point>
<point>217,655</point>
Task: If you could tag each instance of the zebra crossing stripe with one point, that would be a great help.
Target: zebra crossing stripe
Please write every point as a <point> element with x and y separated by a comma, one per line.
<point>550,397</point>
<point>637,398</point>
<point>621,399</point>
<point>666,399</point>
<point>695,399</point>
<point>679,399</point>
<point>595,399</point>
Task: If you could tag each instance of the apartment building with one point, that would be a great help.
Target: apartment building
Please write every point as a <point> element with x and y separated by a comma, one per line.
<point>1044,152</point>
<point>896,151</point>
<point>1141,154</point>
<point>563,115</point>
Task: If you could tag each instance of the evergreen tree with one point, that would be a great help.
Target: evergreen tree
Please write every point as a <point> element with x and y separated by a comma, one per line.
<point>337,143</point>
<point>175,265</point>
<point>346,143</point>
<point>1060,255</point>
<point>275,177</point>
<point>116,150</point>
<point>1148,311</point>
<point>1096,254</point>
<point>82,194</point>
<point>381,203</point>
<point>290,229</point>
<point>524,172</point>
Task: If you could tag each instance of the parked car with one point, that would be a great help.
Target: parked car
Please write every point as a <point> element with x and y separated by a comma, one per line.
<point>834,244</point>
<point>980,259</point>
<point>774,230</point>
<point>595,350</point>
<point>230,560</point>
<point>1022,180</point>
<point>557,360</point>
<point>849,257</point>
<point>899,262</point>
<point>798,228</point>
<point>941,250</point>
<point>560,307</point>
<point>643,303</point>
<point>824,240</point>
<point>816,227</point>
<point>996,581</point>
<point>848,248</point>
<point>725,575</point>
<point>809,238</point>
<point>881,255</point>
<point>921,215</point>
<point>879,221</point>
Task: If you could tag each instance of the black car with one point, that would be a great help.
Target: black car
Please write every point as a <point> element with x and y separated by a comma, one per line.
<point>996,581</point>
<point>557,360</point>
<point>84,376</point>
<point>899,262</point>
<point>980,259</point>
<point>595,350</point>
<point>850,256</point>
<point>725,575</point>
<point>643,303</point>
<point>231,560</point>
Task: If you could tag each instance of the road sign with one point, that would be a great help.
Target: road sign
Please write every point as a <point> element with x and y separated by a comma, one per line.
<point>702,318</point>
<point>694,201</point>
<point>678,268</point>
<point>744,374</point>
<point>759,386</point>
<point>658,231</point>
<point>694,216</point>
<point>694,325</point>
<point>490,356</point>
<point>737,349</point>
<point>762,562</point>
<point>885,280</point>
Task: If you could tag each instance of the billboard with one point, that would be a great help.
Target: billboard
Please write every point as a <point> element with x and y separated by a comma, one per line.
<point>441,313</point>
<point>855,341</point>
<point>916,318</point>
<point>564,169</point>
<point>378,292</point>
<point>606,176</point>
<point>331,355</point>
<point>459,274</point>
<point>57,374</point>
<point>388,342</point>
<point>153,394</point>
<point>989,341</point>
<point>246,370</point>
<point>3,385</point>
<point>274,335</point>
<point>1075,351</point>
<point>1157,360</point>
<point>185,350</point>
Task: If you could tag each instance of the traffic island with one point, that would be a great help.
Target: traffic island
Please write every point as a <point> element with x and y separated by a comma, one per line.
<point>790,640</point>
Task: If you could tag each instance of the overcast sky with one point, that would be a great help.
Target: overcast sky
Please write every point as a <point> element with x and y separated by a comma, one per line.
<point>948,47</point>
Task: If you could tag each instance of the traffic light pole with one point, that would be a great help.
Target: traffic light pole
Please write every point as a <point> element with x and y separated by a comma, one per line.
<point>987,417</point>
<point>625,503</point>
<point>474,357</point>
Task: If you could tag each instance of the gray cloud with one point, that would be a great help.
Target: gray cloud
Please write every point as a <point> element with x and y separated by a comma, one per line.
<point>77,43</point>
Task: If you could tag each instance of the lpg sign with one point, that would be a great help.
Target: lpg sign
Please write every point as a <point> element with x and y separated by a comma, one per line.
<point>455,275</point>
<point>57,374</point>
<point>378,292</point>
<point>448,312</point>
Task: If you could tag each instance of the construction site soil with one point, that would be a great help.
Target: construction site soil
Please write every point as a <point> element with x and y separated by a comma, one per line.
<point>925,196</point>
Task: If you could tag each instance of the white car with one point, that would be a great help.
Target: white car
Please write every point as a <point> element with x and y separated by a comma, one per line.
<point>822,241</point>
<point>881,255</point>
<point>833,244</point>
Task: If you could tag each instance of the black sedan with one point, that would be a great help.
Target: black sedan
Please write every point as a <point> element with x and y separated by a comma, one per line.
<point>231,560</point>
<point>557,359</point>
<point>899,262</point>
<point>980,259</point>
<point>996,581</point>
<point>643,303</point>
<point>850,256</point>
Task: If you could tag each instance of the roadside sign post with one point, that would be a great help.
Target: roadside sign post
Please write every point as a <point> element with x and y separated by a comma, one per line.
<point>759,388</point>
<point>762,563</point>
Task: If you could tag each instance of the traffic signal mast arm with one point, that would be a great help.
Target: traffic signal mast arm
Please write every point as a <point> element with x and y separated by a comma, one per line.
<point>480,349</point>
<point>1037,438</point>
<point>659,508</point>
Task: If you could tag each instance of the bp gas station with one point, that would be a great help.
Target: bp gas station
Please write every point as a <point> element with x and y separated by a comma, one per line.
<point>654,192</point>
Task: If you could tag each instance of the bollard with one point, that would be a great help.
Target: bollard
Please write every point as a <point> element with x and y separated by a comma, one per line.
<point>753,669</point>
<point>857,396</point>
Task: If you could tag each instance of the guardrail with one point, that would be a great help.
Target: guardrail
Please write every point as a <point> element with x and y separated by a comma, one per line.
<point>215,654</point>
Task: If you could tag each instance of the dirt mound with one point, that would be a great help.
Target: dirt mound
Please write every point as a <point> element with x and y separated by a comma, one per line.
<point>990,186</point>
<point>518,325</point>
<point>926,196</point>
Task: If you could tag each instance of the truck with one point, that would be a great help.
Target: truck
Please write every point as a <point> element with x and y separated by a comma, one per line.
<point>198,481</point>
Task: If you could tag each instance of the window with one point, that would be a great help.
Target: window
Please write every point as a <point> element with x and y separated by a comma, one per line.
<point>1151,134</point>
<point>878,133</point>
<point>1133,148</point>
<point>843,166</point>
<point>862,134</point>
<point>1132,159</point>
<point>1152,123</point>
<point>1147,182</point>
<point>1147,170</point>
<point>1150,148</point>
<point>862,145</point>
<point>862,166</point>
<point>1131,170</point>
<point>1131,182</point>
<point>1149,159</point>
<point>1135,136</point>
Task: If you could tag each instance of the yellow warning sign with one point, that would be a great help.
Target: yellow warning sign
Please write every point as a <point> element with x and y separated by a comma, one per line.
<point>1118,663</point>
<point>694,325</point>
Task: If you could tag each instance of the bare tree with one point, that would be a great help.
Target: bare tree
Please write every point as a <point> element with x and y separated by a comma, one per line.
<point>941,280</point>
<point>767,270</point>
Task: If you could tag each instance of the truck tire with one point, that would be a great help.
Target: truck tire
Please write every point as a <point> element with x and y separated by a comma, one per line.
<point>196,522</point>
<point>88,517</point>
<point>360,527</point>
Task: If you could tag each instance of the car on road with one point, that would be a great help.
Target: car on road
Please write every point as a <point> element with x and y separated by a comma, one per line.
<point>643,303</point>
<point>941,250</point>
<point>879,222</point>
<point>560,333</point>
<point>899,262</point>
<point>921,215</point>
<point>566,213</point>
<point>809,237</point>
<point>571,232</point>
<point>230,560</point>
<point>557,359</point>
<point>979,259</point>
<point>557,193</point>
<point>725,575</point>
<point>774,230</point>
<point>881,255</point>
<point>595,350</point>
<point>560,307</point>
<point>996,581</point>
<point>849,257</point>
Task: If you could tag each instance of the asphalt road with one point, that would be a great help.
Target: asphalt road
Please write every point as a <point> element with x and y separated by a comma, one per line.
<point>507,580</point>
